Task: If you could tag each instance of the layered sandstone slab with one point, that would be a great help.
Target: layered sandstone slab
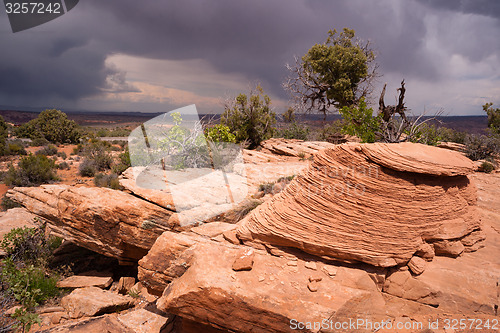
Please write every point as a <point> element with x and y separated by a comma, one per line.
<point>268,297</point>
<point>375,203</point>
<point>113,223</point>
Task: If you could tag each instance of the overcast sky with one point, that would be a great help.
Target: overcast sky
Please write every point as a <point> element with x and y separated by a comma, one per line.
<point>155,56</point>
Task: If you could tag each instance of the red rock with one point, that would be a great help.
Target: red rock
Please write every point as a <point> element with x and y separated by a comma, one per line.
<point>93,301</point>
<point>113,223</point>
<point>125,284</point>
<point>374,203</point>
<point>417,265</point>
<point>244,260</point>
<point>86,280</point>
<point>144,321</point>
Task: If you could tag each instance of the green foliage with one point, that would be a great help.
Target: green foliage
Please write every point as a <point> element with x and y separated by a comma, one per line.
<point>15,148</point>
<point>62,155</point>
<point>98,152</point>
<point>3,136</point>
<point>52,125</point>
<point>8,203</point>
<point>110,181</point>
<point>289,115</point>
<point>333,74</point>
<point>250,118</point>
<point>32,170</point>
<point>220,133</point>
<point>480,146</point>
<point>23,273</point>
<point>115,132</point>
<point>359,121</point>
<point>183,147</point>
<point>123,163</point>
<point>293,131</point>
<point>49,150</point>
<point>493,117</point>
<point>487,167</point>
<point>37,142</point>
<point>63,166</point>
<point>451,135</point>
<point>87,168</point>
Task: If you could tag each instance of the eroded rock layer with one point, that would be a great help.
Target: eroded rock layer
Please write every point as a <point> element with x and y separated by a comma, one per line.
<point>375,203</point>
<point>106,221</point>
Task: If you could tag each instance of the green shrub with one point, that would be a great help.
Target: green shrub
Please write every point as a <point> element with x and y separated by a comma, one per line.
<point>63,166</point>
<point>479,147</point>
<point>49,150</point>
<point>87,168</point>
<point>294,131</point>
<point>32,170</point>
<point>250,118</point>
<point>487,167</point>
<point>110,181</point>
<point>359,121</point>
<point>23,273</point>
<point>329,132</point>
<point>451,135</point>
<point>37,142</point>
<point>52,125</point>
<point>98,152</point>
<point>123,163</point>
<point>15,148</point>
<point>62,155</point>
<point>8,203</point>
<point>220,133</point>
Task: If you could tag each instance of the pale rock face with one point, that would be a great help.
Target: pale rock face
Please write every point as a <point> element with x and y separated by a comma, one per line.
<point>93,301</point>
<point>86,280</point>
<point>372,203</point>
<point>113,223</point>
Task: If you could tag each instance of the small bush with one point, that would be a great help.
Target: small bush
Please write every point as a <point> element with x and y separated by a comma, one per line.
<point>98,152</point>
<point>23,273</point>
<point>37,142</point>
<point>62,155</point>
<point>49,150</point>
<point>123,163</point>
<point>87,168</point>
<point>63,166</point>
<point>8,203</point>
<point>15,148</point>
<point>487,167</point>
<point>294,131</point>
<point>32,170</point>
<point>479,147</point>
<point>110,181</point>
<point>220,133</point>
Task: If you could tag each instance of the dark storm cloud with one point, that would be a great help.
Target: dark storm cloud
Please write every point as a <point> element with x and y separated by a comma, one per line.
<point>481,7</point>
<point>65,59</point>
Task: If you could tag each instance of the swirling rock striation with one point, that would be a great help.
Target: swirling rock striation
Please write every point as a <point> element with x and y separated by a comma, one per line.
<point>375,203</point>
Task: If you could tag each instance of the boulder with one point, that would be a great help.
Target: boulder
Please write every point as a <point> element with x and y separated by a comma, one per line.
<point>125,284</point>
<point>105,323</point>
<point>144,321</point>
<point>113,223</point>
<point>206,289</point>
<point>294,147</point>
<point>93,301</point>
<point>373,203</point>
<point>86,280</point>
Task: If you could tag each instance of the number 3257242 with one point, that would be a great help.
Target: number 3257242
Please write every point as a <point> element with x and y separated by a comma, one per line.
<point>32,8</point>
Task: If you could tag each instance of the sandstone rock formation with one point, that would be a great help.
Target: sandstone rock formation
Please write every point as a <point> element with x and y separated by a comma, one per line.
<point>93,301</point>
<point>106,221</point>
<point>373,203</point>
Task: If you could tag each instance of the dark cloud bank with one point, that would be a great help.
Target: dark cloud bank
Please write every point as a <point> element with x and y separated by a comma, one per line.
<point>64,60</point>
